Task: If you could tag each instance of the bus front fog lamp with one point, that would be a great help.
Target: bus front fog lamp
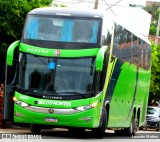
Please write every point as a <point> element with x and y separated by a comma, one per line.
<point>18,114</point>
<point>83,108</point>
<point>87,119</point>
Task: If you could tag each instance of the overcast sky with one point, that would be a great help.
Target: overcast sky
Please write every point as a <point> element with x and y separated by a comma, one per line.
<point>121,9</point>
<point>137,2</point>
<point>143,2</point>
<point>90,3</point>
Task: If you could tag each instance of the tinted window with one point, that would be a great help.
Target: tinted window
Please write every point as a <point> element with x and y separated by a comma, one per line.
<point>62,29</point>
<point>53,75</point>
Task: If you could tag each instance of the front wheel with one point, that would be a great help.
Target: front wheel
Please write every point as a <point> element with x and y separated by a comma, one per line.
<point>100,131</point>
<point>76,131</point>
<point>35,128</point>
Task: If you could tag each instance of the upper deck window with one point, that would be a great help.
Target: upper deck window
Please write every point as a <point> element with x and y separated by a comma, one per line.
<point>61,29</point>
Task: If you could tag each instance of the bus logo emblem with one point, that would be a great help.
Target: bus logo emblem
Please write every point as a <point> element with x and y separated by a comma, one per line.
<point>51,111</point>
<point>57,52</point>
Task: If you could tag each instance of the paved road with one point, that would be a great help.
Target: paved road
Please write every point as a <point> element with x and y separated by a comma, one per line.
<point>63,134</point>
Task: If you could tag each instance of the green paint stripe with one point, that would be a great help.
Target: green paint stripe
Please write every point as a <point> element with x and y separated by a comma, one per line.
<point>113,66</point>
<point>62,52</point>
<point>110,64</point>
<point>110,70</point>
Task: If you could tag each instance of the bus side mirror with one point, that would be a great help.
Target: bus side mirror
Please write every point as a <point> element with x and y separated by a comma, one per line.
<point>10,52</point>
<point>100,58</point>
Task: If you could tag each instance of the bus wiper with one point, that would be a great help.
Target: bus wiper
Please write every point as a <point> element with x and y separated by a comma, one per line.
<point>27,91</point>
<point>77,93</point>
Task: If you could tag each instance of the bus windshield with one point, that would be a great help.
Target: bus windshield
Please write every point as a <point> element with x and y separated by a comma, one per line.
<point>61,29</point>
<point>61,76</point>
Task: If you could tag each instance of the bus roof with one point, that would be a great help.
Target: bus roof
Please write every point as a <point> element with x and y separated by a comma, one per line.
<point>127,27</point>
<point>66,12</point>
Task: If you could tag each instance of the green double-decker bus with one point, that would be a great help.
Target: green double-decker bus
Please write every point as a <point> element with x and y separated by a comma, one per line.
<point>77,70</point>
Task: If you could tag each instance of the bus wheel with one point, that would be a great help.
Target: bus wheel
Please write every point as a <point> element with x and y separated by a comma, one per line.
<point>35,128</point>
<point>145,126</point>
<point>119,132</point>
<point>158,126</point>
<point>76,131</point>
<point>132,129</point>
<point>100,131</point>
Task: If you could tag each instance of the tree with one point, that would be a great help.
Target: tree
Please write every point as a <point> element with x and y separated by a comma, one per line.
<point>155,71</point>
<point>153,28</point>
<point>12,17</point>
<point>154,11</point>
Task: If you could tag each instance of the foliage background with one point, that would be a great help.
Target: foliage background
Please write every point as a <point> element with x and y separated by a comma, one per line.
<point>155,74</point>
<point>154,10</point>
<point>12,18</point>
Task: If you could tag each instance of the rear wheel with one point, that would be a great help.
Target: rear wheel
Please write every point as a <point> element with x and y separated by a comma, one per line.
<point>119,132</point>
<point>145,126</point>
<point>100,131</point>
<point>158,126</point>
<point>132,129</point>
<point>35,128</point>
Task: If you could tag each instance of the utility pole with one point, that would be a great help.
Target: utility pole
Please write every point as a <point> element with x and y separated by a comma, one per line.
<point>96,4</point>
<point>157,32</point>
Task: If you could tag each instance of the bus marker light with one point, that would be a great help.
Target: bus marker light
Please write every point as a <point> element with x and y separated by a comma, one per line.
<point>14,99</point>
<point>95,104</point>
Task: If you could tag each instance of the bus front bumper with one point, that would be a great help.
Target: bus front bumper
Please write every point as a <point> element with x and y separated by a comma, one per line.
<point>87,119</point>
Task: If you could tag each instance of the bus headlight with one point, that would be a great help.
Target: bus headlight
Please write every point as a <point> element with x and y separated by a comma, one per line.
<point>22,104</point>
<point>83,108</point>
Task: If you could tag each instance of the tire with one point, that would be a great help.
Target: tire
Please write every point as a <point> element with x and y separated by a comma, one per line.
<point>3,125</point>
<point>119,132</point>
<point>145,127</point>
<point>158,127</point>
<point>35,128</point>
<point>76,132</point>
<point>100,131</point>
<point>136,125</point>
<point>132,129</point>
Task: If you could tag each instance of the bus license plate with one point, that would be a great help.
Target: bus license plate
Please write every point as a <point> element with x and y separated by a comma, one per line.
<point>51,120</point>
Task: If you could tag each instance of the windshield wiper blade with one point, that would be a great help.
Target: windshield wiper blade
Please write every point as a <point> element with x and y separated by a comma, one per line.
<point>77,93</point>
<point>27,91</point>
